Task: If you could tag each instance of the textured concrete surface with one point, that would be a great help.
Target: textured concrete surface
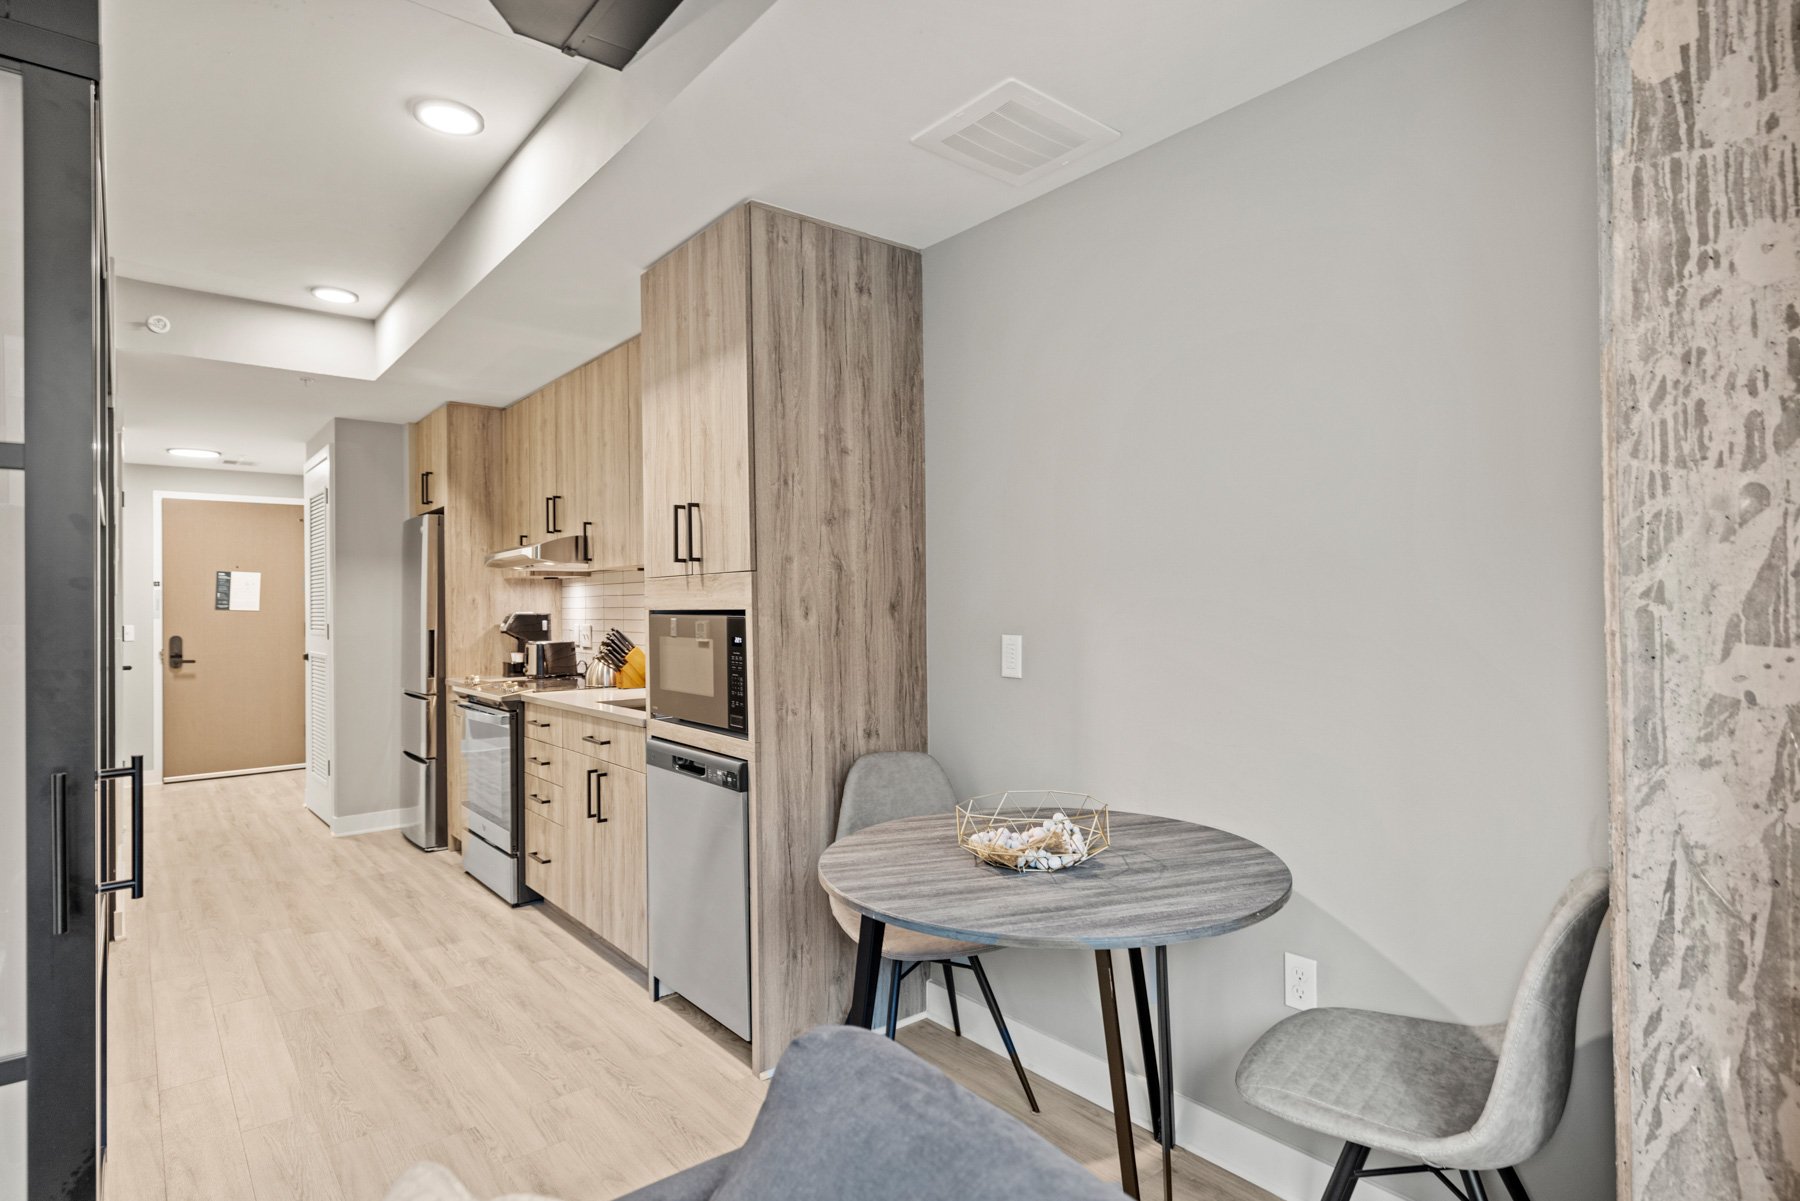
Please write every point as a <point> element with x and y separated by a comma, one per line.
<point>1699,104</point>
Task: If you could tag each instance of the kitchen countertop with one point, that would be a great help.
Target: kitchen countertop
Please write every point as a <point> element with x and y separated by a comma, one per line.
<point>601,702</point>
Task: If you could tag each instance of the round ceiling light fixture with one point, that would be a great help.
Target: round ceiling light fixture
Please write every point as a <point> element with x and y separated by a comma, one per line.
<point>192,452</point>
<point>448,116</point>
<point>331,295</point>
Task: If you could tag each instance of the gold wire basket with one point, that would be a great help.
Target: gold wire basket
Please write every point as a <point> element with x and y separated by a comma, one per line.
<point>1037,830</point>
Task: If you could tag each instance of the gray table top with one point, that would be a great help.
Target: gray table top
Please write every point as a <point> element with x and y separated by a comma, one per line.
<point>1161,881</point>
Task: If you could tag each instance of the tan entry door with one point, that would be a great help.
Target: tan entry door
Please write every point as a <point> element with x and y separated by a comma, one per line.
<point>233,639</point>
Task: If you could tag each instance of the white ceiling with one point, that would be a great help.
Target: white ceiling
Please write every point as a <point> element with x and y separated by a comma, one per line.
<point>805,104</point>
<point>258,147</point>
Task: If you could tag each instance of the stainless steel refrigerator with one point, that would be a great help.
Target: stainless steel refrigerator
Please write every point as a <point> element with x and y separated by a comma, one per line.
<point>422,708</point>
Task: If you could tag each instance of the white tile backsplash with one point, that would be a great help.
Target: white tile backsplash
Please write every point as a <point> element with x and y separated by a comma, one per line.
<point>605,600</point>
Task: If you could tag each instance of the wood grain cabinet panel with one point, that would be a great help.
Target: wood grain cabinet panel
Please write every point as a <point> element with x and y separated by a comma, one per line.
<point>600,472</point>
<point>547,861</point>
<point>615,871</point>
<point>429,447</point>
<point>696,386</point>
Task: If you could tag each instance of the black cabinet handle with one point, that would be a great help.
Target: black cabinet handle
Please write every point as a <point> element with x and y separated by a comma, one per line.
<point>678,509</point>
<point>542,800</point>
<point>596,741</point>
<point>537,761</point>
<point>549,522</point>
<point>538,857</point>
<point>425,487</point>
<point>542,725</point>
<point>597,792</point>
<point>587,542</point>
<point>693,508</point>
<point>135,773</point>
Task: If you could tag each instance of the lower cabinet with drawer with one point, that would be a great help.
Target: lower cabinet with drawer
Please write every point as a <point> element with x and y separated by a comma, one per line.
<point>546,857</point>
<point>584,807</point>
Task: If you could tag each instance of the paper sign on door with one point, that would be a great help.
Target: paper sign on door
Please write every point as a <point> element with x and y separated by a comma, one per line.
<point>239,590</point>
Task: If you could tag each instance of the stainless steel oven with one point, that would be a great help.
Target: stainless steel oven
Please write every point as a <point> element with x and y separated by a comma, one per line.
<point>490,798</point>
<point>699,670</point>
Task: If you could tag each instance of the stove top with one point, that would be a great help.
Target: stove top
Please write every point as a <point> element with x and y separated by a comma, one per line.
<point>515,685</point>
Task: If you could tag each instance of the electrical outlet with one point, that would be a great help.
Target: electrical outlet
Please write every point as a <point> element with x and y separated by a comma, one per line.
<point>1012,656</point>
<point>1302,989</point>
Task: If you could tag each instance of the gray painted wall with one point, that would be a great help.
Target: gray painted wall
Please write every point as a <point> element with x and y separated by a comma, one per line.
<point>137,585</point>
<point>1279,444</point>
<point>369,504</point>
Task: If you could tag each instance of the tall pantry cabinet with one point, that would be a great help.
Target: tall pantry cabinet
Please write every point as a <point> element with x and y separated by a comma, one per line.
<point>784,475</point>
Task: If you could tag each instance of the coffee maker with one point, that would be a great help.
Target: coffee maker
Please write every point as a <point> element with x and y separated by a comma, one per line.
<point>524,628</point>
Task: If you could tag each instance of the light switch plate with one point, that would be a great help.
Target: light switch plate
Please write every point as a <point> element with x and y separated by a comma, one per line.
<point>128,634</point>
<point>1301,990</point>
<point>1012,656</point>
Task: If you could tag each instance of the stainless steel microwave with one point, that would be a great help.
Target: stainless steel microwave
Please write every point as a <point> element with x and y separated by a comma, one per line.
<point>699,673</point>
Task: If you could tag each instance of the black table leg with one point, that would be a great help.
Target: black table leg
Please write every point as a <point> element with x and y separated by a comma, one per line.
<point>1115,1065</point>
<point>1167,1068</point>
<point>1149,1041</point>
<point>868,972</point>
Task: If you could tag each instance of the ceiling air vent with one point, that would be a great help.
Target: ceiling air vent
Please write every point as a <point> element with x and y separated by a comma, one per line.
<point>1016,133</point>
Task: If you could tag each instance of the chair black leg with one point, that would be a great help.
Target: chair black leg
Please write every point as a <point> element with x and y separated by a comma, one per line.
<point>895,974</point>
<point>987,994</point>
<point>1515,1188</point>
<point>1473,1186</point>
<point>950,987</point>
<point>1343,1177</point>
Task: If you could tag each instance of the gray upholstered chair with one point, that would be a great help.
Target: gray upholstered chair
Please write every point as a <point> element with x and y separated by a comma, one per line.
<point>1457,1098</point>
<point>883,787</point>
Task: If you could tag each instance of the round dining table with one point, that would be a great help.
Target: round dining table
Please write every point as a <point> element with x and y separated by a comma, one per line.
<point>1159,882</point>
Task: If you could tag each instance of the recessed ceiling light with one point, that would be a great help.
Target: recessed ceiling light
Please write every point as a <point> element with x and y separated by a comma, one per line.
<point>447,116</point>
<point>192,452</point>
<point>332,295</point>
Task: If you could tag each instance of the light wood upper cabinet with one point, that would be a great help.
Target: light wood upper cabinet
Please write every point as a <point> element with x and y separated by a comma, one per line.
<point>696,383</point>
<point>429,447</point>
<point>600,463</point>
<point>574,460</point>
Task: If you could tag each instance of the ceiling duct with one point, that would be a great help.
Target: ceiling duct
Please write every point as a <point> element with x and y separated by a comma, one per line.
<point>609,32</point>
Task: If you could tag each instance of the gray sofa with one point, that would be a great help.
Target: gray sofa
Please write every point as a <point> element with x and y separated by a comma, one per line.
<point>851,1115</point>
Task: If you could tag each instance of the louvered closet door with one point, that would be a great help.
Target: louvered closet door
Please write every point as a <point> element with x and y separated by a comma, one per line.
<point>318,638</point>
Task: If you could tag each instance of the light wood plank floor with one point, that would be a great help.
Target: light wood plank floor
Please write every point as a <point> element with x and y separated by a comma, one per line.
<point>294,1016</point>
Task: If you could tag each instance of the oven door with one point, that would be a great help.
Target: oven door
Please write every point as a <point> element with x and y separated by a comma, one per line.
<point>487,800</point>
<point>689,673</point>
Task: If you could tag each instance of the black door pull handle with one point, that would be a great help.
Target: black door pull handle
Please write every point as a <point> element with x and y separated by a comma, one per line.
<point>678,510</point>
<point>134,773</point>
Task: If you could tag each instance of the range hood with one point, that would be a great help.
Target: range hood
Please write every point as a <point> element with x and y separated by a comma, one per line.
<point>567,555</point>
<point>608,32</point>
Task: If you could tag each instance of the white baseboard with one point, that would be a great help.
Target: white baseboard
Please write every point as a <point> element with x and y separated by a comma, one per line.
<point>370,823</point>
<point>1264,1161</point>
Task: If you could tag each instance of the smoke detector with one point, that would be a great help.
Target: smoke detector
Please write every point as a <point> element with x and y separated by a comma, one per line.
<point>1014,132</point>
<point>156,323</point>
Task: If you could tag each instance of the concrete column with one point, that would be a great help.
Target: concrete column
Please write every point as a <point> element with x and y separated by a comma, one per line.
<point>1699,105</point>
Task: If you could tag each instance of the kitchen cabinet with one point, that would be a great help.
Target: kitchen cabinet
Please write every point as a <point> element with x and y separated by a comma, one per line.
<point>429,454</point>
<point>547,860</point>
<point>599,471</point>
<point>594,797</point>
<point>696,404</point>
<point>783,393</point>
<point>574,460</point>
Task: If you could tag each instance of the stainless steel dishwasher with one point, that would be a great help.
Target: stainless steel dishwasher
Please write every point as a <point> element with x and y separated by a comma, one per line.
<point>699,908</point>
